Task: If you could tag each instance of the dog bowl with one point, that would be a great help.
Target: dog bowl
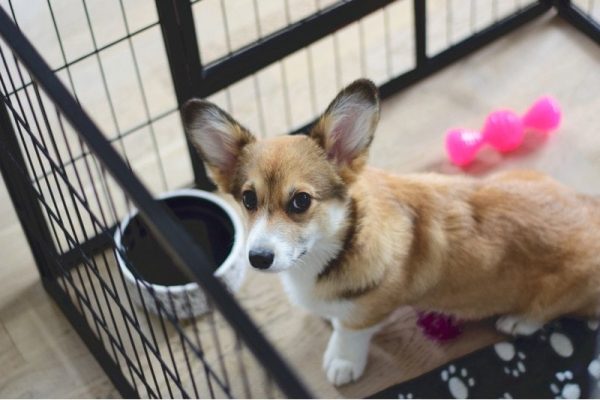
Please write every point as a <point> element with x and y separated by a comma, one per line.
<point>214,225</point>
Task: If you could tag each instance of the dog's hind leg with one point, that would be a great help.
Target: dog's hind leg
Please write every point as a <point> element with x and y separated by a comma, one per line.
<point>517,325</point>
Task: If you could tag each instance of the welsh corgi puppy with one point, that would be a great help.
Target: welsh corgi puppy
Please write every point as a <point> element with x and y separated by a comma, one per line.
<point>353,243</point>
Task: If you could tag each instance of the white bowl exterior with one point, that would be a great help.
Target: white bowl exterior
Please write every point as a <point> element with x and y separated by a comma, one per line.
<point>177,300</point>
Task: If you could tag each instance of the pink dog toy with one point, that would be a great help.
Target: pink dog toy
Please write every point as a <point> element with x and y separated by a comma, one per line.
<point>504,130</point>
<point>439,327</point>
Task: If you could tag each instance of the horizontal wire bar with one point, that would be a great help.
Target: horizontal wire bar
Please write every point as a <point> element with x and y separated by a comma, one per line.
<point>91,53</point>
<point>274,47</point>
<point>122,135</point>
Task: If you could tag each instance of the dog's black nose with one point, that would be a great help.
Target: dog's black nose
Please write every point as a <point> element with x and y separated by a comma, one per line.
<point>261,258</point>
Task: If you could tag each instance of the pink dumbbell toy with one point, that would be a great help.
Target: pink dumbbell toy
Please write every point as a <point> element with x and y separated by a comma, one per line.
<point>504,130</point>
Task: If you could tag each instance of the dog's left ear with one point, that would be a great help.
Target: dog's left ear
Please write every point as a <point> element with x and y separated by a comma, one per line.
<point>346,129</point>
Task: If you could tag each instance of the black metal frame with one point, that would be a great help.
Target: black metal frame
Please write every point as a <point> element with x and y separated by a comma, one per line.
<point>191,78</point>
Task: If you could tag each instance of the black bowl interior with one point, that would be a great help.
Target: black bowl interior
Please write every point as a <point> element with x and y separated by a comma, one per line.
<point>206,222</point>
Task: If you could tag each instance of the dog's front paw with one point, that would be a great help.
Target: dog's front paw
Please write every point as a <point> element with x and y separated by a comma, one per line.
<point>344,362</point>
<point>340,371</point>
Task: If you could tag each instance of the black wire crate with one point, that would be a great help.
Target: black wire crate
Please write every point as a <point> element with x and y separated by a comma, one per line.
<point>90,135</point>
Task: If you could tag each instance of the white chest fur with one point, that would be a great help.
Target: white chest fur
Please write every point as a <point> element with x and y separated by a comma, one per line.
<point>299,285</point>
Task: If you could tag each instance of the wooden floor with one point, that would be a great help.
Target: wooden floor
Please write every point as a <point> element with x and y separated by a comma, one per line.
<point>43,357</point>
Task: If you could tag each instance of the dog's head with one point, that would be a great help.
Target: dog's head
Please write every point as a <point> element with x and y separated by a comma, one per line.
<point>294,189</point>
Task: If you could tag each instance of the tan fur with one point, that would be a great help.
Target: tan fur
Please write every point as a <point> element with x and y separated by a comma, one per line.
<point>515,243</point>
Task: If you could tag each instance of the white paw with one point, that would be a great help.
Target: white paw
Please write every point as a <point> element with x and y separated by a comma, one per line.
<point>340,371</point>
<point>513,325</point>
<point>342,362</point>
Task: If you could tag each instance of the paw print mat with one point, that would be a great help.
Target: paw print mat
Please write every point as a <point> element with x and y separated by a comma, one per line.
<point>561,361</point>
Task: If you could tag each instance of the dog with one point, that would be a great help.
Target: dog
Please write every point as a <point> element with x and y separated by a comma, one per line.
<point>353,243</point>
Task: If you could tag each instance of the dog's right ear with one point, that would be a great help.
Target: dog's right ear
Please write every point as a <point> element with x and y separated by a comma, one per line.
<point>218,138</point>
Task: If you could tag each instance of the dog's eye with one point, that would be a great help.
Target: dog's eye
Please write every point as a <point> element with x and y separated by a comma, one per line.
<point>300,203</point>
<point>249,199</point>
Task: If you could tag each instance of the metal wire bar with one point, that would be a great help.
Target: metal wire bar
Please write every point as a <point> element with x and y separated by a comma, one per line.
<point>88,263</point>
<point>276,46</point>
<point>579,19</point>
<point>103,79</point>
<point>96,233</point>
<point>182,342</point>
<point>449,20</point>
<point>123,135</point>
<point>129,319</point>
<point>67,64</point>
<point>142,90</point>
<point>199,344</point>
<point>388,44</point>
<point>361,49</point>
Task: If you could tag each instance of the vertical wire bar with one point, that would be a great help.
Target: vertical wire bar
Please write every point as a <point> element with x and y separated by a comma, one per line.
<point>361,48</point>
<point>215,337</point>
<point>169,348</point>
<point>288,14</point>
<point>111,204</point>
<point>75,236</point>
<point>107,267</point>
<point>261,112</point>
<point>104,81</point>
<point>74,203</point>
<point>238,350</point>
<point>45,178</point>
<point>228,101</point>
<point>19,127</point>
<point>284,82</point>
<point>225,20</point>
<point>311,73</point>
<point>269,385</point>
<point>257,95</point>
<point>257,22</point>
<point>388,44</point>
<point>183,345</point>
<point>153,336</point>
<point>448,22</point>
<point>420,14</point>
<point>286,95</point>
<point>185,67</point>
<point>96,232</point>
<point>114,288</point>
<point>337,61</point>
<point>473,15</point>
<point>140,84</point>
<point>120,140</point>
<point>28,156</point>
<point>115,121</point>
<point>495,10</point>
<point>199,345</point>
<point>21,194</point>
<point>311,80</point>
